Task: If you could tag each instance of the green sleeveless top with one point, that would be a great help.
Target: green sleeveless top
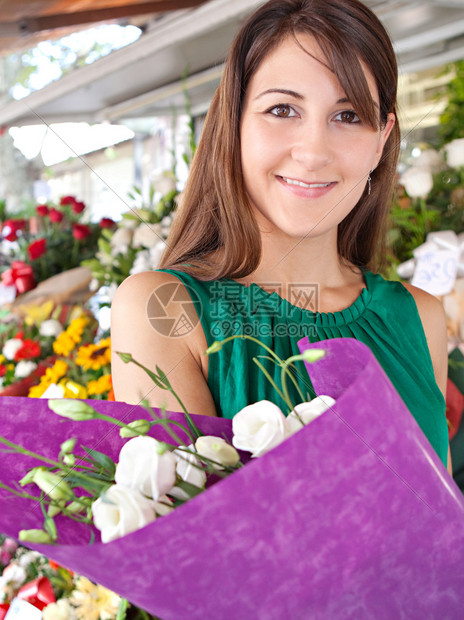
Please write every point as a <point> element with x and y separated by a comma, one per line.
<point>384,317</point>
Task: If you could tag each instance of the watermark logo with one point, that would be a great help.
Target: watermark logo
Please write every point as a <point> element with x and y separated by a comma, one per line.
<point>171,309</point>
<point>304,295</point>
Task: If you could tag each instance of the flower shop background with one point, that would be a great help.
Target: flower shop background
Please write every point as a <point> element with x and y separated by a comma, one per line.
<point>84,205</point>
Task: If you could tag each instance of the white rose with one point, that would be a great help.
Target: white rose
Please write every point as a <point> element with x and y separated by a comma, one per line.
<point>61,610</point>
<point>307,412</point>
<point>258,428</point>
<point>11,347</point>
<point>417,181</point>
<point>121,511</point>
<point>455,153</point>
<point>143,468</point>
<point>50,328</point>
<point>121,240</point>
<point>188,467</point>
<point>217,449</point>
<point>146,235</point>
<point>24,368</point>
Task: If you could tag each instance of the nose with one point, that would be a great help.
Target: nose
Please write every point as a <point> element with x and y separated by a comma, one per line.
<point>312,147</point>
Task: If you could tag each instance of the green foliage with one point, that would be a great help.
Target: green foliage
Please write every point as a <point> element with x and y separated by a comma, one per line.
<point>412,219</point>
<point>452,118</point>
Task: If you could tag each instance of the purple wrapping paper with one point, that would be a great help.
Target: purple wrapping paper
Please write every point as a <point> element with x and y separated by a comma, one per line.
<point>352,517</point>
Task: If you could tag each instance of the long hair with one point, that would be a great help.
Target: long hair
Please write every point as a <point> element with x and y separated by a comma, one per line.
<point>215,233</point>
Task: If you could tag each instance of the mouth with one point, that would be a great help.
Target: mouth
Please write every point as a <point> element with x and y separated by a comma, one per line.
<point>305,185</point>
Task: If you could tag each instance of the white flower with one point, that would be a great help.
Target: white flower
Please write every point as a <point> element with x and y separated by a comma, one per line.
<point>145,467</point>
<point>121,240</point>
<point>61,610</point>
<point>217,449</point>
<point>164,183</point>
<point>50,328</point>
<point>417,181</point>
<point>455,153</point>
<point>430,159</point>
<point>121,511</point>
<point>11,347</point>
<point>141,262</point>
<point>146,260</point>
<point>258,428</point>
<point>28,558</point>
<point>155,254</point>
<point>53,391</point>
<point>307,412</point>
<point>13,576</point>
<point>188,468</point>
<point>146,235</point>
<point>24,368</point>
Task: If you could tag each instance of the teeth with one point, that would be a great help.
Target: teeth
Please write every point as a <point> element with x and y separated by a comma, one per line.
<point>301,184</point>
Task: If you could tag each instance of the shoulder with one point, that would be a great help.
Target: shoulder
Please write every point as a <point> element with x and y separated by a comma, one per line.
<point>433,318</point>
<point>145,323</point>
<point>431,310</point>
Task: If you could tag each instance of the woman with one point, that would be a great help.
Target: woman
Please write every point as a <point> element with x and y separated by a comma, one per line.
<point>281,219</point>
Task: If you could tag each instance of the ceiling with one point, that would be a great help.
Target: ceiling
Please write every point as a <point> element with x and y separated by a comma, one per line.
<point>23,23</point>
<point>144,79</point>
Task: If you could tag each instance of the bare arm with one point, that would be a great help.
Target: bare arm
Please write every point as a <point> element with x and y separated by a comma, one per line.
<point>181,358</point>
<point>433,319</point>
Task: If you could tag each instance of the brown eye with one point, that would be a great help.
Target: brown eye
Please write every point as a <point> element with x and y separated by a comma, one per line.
<point>282,111</point>
<point>347,116</point>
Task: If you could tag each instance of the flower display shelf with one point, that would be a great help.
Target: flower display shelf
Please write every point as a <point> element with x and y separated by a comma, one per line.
<point>352,517</point>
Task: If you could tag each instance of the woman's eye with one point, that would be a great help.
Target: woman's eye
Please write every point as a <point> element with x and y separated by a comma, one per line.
<point>347,116</point>
<point>282,111</point>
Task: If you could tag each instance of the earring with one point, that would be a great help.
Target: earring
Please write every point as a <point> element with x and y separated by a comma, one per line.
<point>369,185</point>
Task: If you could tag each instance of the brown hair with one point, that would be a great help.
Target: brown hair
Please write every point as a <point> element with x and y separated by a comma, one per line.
<point>215,233</point>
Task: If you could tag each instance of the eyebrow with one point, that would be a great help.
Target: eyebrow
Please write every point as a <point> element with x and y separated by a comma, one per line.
<point>293,93</point>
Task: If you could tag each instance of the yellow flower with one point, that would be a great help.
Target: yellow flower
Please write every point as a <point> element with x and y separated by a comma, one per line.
<point>51,375</point>
<point>68,339</point>
<point>94,356</point>
<point>93,602</point>
<point>100,386</point>
<point>2,359</point>
<point>72,389</point>
<point>34,315</point>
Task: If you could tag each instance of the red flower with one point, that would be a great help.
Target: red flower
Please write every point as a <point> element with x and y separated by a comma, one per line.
<point>67,200</point>
<point>2,370</point>
<point>81,231</point>
<point>42,210</point>
<point>106,222</point>
<point>13,227</point>
<point>28,350</point>
<point>55,216</point>
<point>78,207</point>
<point>37,248</point>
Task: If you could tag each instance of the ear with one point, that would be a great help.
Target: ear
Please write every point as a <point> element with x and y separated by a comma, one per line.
<point>383,137</point>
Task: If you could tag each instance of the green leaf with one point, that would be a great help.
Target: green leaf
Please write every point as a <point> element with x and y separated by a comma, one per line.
<point>101,459</point>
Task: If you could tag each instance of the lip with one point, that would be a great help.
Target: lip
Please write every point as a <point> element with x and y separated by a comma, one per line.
<point>305,189</point>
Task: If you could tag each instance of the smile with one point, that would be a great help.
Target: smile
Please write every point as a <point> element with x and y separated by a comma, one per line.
<point>306,185</point>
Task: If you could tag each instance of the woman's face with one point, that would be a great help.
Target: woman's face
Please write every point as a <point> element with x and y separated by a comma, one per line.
<point>305,153</point>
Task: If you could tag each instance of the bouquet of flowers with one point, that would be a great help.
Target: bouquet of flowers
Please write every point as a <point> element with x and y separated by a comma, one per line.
<point>55,240</point>
<point>322,513</point>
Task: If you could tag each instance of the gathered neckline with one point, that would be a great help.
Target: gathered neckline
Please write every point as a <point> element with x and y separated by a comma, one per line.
<point>326,319</point>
